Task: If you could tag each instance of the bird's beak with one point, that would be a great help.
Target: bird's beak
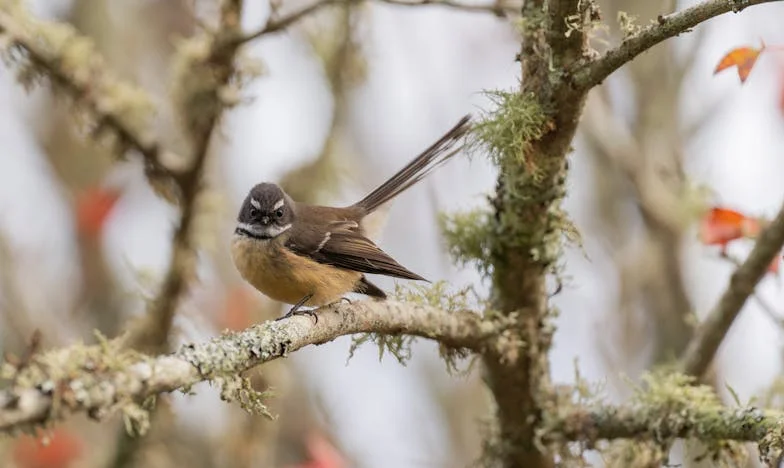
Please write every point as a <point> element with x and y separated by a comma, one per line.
<point>265,220</point>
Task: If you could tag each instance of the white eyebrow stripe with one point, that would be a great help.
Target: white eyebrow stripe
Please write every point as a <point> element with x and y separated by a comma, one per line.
<point>323,242</point>
<point>255,203</point>
<point>279,204</point>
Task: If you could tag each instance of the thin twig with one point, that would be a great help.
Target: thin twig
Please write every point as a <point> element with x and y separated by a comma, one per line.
<point>273,25</point>
<point>593,72</point>
<point>710,333</point>
<point>99,378</point>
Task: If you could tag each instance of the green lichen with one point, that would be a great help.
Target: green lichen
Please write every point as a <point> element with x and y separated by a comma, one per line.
<point>441,295</point>
<point>507,130</point>
<point>436,295</point>
<point>666,394</point>
<point>468,236</point>
<point>239,389</point>
<point>398,346</point>
<point>528,217</point>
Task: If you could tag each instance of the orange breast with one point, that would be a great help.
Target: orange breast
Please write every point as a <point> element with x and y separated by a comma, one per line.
<point>287,277</point>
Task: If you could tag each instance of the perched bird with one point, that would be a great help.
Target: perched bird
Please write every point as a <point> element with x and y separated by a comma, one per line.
<point>309,255</point>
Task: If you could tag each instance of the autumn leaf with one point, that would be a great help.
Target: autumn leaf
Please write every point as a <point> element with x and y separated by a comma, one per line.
<point>743,58</point>
<point>93,207</point>
<point>51,449</point>
<point>719,226</point>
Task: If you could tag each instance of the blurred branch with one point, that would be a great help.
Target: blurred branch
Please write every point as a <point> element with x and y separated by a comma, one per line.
<point>766,306</point>
<point>57,51</point>
<point>644,421</point>
<point>273,25</point>
<point>593,72</point>
<point>615,141</point>
<point>711,331</point>
<point>202,81</point>
<point>104,379</point>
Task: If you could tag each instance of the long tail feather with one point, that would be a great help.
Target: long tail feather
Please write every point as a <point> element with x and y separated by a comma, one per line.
<point>437,154</point>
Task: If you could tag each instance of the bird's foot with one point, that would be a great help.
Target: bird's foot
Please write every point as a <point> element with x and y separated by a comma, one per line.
<point>296,310</point>
<point>347,300</point>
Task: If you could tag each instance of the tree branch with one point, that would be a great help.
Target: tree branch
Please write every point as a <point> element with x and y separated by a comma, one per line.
<point>59,52</point>
<point>104,379</point>
<point>589,74</point>
<point>201,104</point>
<point>639,422</point>
<point>274,25</point>
<point>711,331</point>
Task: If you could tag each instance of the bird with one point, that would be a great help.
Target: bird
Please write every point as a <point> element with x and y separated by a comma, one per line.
<point>311,255</point>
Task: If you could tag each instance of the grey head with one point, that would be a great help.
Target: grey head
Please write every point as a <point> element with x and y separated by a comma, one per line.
<point>267,212</point>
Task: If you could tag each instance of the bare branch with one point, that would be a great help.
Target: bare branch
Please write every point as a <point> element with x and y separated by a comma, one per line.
<point>498,8</point>
<point>201,105</point>
<point>595,71</point>
<point>101,379</point>
<point>64,56</point>
<point>711,331</point>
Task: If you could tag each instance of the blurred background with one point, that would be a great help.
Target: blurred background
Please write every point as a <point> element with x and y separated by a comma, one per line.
<point>346,98</point>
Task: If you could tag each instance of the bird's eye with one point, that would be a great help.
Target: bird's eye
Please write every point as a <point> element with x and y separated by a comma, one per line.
<point>279,213</point>
<point>253,212</point>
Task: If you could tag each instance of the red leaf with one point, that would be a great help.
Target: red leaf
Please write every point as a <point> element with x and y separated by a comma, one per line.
<point>743,58</point>
<point>721,225</point>
<point>61,451</point>
<point>93,206</point>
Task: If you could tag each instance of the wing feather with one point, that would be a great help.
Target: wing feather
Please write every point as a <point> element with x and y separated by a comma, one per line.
<point>346,248</point>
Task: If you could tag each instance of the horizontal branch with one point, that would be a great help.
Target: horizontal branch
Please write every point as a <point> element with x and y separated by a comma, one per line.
<point>595,71</point>
<point>710,333</point>
<point>714,423</point>
<point>98,379</point>
<point>59,52</point>
<point>274,25</point>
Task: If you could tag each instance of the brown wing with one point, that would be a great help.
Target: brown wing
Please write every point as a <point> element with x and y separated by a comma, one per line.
<point>344,247</point>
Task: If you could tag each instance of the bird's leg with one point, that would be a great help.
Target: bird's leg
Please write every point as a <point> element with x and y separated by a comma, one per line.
<point>295,310</point>
<point>339,301</point>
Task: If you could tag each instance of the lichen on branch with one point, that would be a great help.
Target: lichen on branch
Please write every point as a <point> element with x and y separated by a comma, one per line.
<point>57,52</point>
<point>105,378</point>
<point>666,406</point>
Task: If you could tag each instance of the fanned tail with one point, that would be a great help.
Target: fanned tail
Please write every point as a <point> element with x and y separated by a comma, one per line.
<point>437,154</point>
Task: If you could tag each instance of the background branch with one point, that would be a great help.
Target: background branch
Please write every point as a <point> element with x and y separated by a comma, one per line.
<point>710,333</point>
<point>595,71</point>
<point>273,25</point>
<point>639,422</point>
<point>201,103</point>
<point>118,106</point>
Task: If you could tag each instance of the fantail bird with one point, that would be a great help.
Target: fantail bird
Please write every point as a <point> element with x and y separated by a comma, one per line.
<point>310,255</point>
